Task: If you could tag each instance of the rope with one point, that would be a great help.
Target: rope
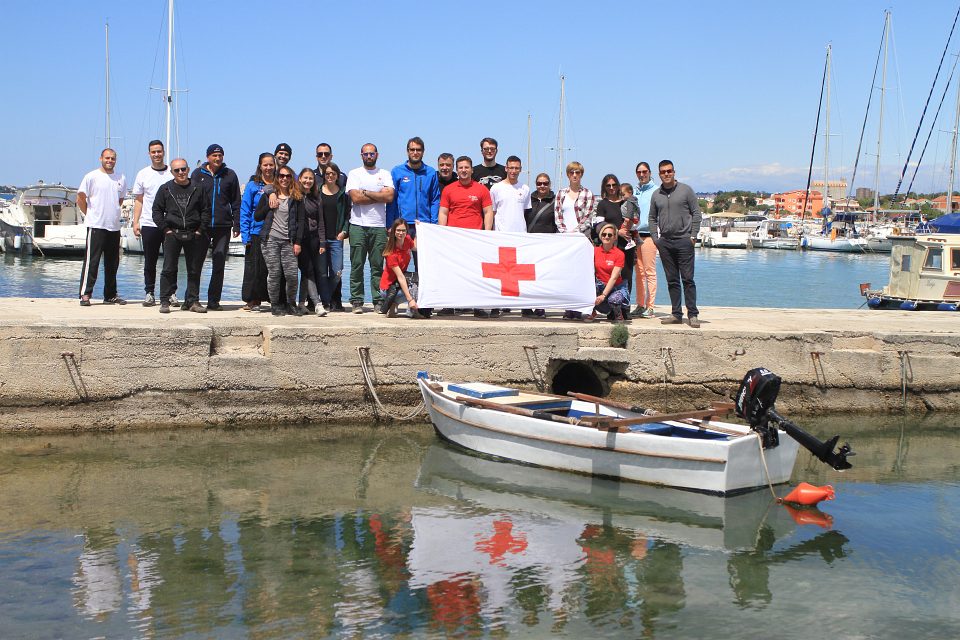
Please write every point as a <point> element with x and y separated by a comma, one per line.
<point>763,458</point>
<point>379,408</point>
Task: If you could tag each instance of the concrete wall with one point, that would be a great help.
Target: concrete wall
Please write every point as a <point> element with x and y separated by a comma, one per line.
<point>63,370</point>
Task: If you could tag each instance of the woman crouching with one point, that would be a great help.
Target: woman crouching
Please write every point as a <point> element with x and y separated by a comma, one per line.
<point>394,279</point>
<point>280,238</point>
<point>608,262</point>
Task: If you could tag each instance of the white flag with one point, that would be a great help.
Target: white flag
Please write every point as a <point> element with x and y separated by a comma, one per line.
<point>467,268</point>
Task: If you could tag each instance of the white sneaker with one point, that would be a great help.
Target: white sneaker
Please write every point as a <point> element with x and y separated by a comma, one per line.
<point>173,300</point>
<point>321,311</point>
<point>149,300</point>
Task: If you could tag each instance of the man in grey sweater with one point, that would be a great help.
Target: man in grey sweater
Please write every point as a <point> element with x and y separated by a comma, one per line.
<point>674,225</point>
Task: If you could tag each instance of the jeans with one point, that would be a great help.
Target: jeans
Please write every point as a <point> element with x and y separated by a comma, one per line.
<point>195,252</point>
<point>329,286</point>
<point>219,240</point>
<point>152,239</point>
<point>366,243</point>
<point>313,269</point>
<point>677,257</point>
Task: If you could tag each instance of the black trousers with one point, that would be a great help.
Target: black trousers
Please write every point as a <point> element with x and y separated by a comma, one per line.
<point>105,244</point>
<point>219,241</point>
<point>677,257</point>
<point>195,252</point>
<point>152,241</point>
<point>254,273</point>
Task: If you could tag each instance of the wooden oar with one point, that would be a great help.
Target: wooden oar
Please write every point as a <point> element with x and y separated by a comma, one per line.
<point>619,405</point>
<point>517,411</point>
<point>662,417</point>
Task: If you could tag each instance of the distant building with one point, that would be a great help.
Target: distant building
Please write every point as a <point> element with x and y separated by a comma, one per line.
<point>836,189</point>
<point>940,202</point>
<point>792,202</point>
<point>864,193</point>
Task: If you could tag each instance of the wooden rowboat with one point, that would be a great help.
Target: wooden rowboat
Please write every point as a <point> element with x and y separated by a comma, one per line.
<point>597,437</point>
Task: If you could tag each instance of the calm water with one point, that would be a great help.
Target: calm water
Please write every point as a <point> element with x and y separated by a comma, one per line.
<point>385,532</point>
<point>725,277</point>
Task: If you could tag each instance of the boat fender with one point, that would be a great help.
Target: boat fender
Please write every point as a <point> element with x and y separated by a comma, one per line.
<point>908,305</point>
<point>808,495</point>
<point>947,306</point>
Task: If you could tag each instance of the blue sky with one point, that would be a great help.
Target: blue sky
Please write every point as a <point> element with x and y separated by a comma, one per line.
<point>727,90</point>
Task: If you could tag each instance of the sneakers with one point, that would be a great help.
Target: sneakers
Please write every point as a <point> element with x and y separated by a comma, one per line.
<point>445,312</point>
<point>321,311</point>
<point>638,312</point>
<point>481,313</point>
<point>392,311</point>
<point>115,300</point>
<point>494,313</point>
<point>337,306</point>
<point>278,309</point>
<point>540,313</point>
<point>357,307</point>
<point>618,314</point>
<point>694,322</point>
<point>185,306</point>
<point>589,318</point>
<point>173,300</point>
<point>671,320</point>
<point>164,307</point>
<point>196,307</point>
<point>84,301</point>
<point>648,313</point>
<point>149,300</point>
<point>214,306</point>
<point>527,313</point>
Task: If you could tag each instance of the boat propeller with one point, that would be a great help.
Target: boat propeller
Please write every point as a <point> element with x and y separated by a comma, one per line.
<point>755,403</point>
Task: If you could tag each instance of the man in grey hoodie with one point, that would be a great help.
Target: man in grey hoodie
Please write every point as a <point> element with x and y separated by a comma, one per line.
<point>674,225</point>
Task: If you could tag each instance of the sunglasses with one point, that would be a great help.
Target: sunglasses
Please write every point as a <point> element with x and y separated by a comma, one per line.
<point>606,235</point>
<point>666,171</point>
<point>543,184</point>
<point>180,170</point>
<point>286,176</point>
<point>323,154</point>
<point>612,185</point>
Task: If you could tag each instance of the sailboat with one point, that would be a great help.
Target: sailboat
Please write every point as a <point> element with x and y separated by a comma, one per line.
<point>839,232</point>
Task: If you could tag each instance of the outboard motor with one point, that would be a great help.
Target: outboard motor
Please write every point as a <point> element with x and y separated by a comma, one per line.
<point>755,403</point>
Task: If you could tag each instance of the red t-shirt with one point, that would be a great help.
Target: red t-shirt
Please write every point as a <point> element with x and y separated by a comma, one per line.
<point>399,258</point>
<point>465,204</point>
<point>605,261</point>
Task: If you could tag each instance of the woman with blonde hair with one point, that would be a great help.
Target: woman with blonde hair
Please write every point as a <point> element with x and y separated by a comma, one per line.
<point>608,262</point>
<point>281,239</point>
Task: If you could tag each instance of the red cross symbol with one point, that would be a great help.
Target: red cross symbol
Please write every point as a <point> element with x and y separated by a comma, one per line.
<point>509,272</point>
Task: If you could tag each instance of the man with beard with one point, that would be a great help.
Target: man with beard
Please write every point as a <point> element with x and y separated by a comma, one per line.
<point>446,174</point>
<point>370,190</point>
<point>489,173</point>
<point>221,189</point>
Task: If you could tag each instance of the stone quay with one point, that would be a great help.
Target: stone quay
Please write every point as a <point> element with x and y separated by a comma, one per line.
<point>67,368</point>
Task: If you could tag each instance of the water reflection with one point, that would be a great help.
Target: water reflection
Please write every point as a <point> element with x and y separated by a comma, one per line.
<point>383,532</point>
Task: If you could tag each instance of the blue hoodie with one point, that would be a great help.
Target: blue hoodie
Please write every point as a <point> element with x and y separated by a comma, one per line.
<point>643,193</point>
<point>248,205</point>
<point>418,194</point>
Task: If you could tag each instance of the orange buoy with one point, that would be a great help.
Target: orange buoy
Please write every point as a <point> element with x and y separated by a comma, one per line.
<point>807,494</point>
<point>810,515</point>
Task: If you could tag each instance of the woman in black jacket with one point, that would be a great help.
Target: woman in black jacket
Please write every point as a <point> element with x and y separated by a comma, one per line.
<point>281,239</point>
<point>313,257</point>
<point>540,217</point>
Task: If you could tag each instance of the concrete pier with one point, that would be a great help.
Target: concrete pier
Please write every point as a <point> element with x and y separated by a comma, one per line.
<point>67,368</point>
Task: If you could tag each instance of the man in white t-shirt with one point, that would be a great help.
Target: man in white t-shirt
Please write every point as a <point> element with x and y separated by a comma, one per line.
<point>510,200</point>
<point>145,187</point>
<point>370,189</point>
<point>99,196</point>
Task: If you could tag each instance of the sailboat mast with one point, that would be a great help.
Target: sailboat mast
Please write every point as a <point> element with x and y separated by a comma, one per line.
<point>826,136</point>
<point>529,161</point>
<point>559,168</point>
<point>948,201</point>
<point>106,28</point>
<point>883,87</point>
<point>168,98</point>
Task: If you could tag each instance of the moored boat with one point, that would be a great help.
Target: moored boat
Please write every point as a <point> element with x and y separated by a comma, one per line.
<point>43,216</point>
<point>924,271</point>
<point>596,437</point>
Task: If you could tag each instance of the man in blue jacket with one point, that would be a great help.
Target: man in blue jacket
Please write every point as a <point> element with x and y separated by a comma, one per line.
<point>221,189</point>
<point>418,191</point>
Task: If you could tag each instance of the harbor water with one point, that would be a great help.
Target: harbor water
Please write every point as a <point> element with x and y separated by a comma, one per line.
<point>725,277</point>
<point>379,532</point>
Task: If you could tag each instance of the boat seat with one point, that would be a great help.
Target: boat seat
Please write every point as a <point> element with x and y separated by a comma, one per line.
<point>660,429</point>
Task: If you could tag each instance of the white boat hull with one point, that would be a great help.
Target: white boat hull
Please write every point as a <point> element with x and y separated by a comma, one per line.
<point>843,245</point>
<point>721,466</point>
<point>789,244</point>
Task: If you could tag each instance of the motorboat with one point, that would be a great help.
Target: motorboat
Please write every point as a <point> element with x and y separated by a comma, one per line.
<point>924,270</point>
<point>38,211</point>
<point>597,437</point>
<point>727,229</point>
<point>838,233</point>
<point>774,234</point>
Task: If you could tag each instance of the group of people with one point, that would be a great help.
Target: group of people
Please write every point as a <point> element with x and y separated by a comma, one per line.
<point>293,226</point>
